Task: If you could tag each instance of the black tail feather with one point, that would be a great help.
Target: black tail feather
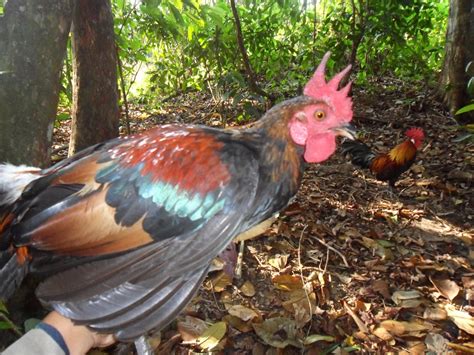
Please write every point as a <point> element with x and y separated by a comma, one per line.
<point>12,273</point>
<point>360,153</point>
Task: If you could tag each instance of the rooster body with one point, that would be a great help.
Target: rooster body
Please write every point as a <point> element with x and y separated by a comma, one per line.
<point>386,166</point>
<point>124,231</point>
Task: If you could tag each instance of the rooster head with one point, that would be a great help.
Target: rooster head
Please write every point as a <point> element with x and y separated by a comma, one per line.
<point>416,135</point>
<point>316,126</point>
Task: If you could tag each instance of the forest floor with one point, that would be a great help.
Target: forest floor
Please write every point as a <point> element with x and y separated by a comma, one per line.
<point>349,266</point>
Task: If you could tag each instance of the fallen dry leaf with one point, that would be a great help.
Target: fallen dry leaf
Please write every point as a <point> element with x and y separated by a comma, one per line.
<point>287,282</point>
<point>383,333</point>
<point>278,332</point>
<point>436,344</point>
<point>242,312</point>
<point>381,286</point>
<point>227,299</point>
<point>298,295</point>
<point>379,246</point>
<point>219,282</point>
<point>238,323</point>
<point>340,351</point>
<point>435,314</point>
<point>412,329</point>
<point>303,309</point>
<point>313,338</point>
<point>279,261</point>
<point>414,348</point>
<point>248,289</point>
<point>191,328</point>
<point>407,299</point>
<point>462,319</point>
<point>446,287</point>
<point>212,336</point>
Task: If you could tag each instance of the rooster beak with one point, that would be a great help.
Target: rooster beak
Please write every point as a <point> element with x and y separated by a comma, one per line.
<point>346,130</point>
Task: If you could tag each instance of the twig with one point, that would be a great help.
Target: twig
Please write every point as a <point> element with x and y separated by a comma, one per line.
<point>362,327</point>
<point>250,74</point>
<point>300,265</point>
<point>214,296</point>
<point>240,258</point>
<point>259,261</point>
<point>334,250</point>
<point>124,93</point>
<point>327,261</point>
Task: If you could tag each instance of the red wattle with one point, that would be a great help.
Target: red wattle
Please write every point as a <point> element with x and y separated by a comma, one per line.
<point>319,147</point>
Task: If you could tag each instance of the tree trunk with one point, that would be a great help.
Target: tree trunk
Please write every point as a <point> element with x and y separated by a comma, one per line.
<point>459,43</point>
<point>33,38</point>
<point>95,114</point>
<point>251,77</point>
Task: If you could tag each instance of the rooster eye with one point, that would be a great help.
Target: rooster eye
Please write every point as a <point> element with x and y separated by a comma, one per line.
<point>319,115</point>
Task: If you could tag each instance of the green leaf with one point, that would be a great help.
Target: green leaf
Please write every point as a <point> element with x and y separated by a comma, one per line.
<point>470,87</point>
<point>463,137</point>
<point>465,109</point>
<point>177,14</point>
<point>3,307</point>
<point>62,116</point>
<point>216,14</point>
<point>5,325</point>
<point>385,243</point>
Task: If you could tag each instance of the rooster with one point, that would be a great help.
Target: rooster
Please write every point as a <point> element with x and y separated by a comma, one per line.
<point>386,166</point>
<point>124,232</point>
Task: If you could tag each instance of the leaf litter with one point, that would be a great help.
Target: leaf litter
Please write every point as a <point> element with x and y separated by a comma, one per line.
<point>349,266</point>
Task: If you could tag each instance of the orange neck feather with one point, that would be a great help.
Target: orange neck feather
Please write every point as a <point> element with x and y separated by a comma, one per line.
<point>403,152</point>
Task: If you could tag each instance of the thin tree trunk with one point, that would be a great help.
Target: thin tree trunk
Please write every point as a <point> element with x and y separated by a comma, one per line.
<point>459,43</point>
<point>95,114</point>
<point>358,31</point>
<point>250,74</point>
<point>33,38</point>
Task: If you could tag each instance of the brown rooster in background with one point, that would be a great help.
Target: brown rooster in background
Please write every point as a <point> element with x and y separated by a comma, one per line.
<point>386,166</point>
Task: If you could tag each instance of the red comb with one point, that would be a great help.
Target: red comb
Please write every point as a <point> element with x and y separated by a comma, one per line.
<point>415,133</point>
<point>318,88</point>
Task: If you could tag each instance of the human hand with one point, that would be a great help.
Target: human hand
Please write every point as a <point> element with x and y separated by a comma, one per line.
<point>78,338</point>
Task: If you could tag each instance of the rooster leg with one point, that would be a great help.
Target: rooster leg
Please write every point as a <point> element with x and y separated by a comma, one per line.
<point>143,346</point>
<point>392,190</point>
<point>250,234</point>
<point>391,183</point>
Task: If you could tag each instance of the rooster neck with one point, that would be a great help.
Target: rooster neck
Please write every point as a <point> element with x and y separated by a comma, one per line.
<point>403,153</point>
<point>281,159</point>
<point>281,166</point>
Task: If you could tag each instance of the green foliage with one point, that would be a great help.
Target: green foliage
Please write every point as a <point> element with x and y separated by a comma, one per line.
<point>400,37</point>
<point>170,46</point>
<point>5,322</point>
<point>183,45</point>
<point>465,109</point>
